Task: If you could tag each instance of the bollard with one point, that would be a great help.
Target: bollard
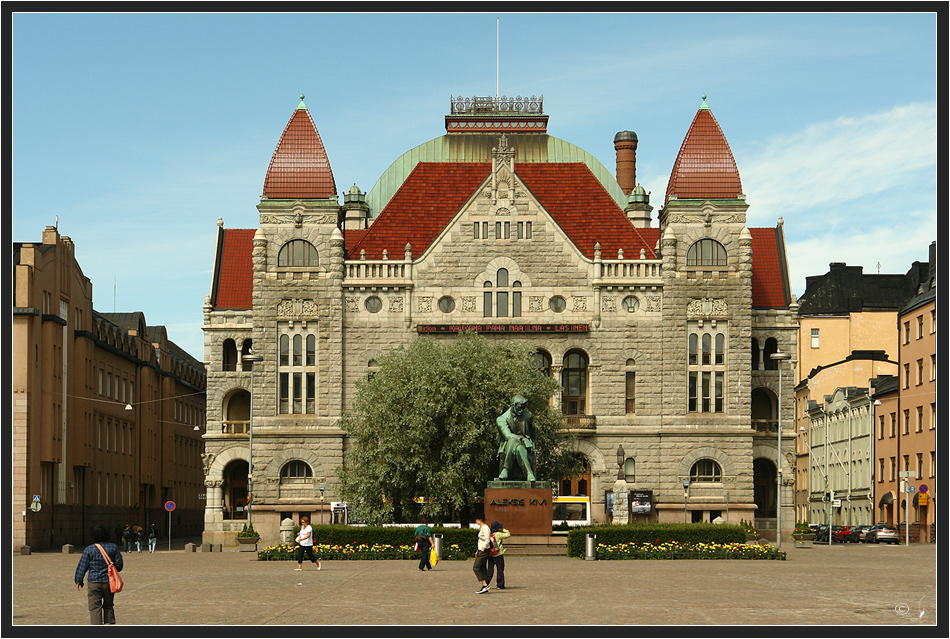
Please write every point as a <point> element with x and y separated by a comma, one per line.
<point>189,547</point>
<point>591,547</point>
<point>68,549</point>
<point>437,544</point>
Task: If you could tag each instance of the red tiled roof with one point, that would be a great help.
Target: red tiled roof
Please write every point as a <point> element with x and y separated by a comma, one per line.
<point>300,168</point>
<point>435,191</point>
<point>768,269</point>
<point>236,283</point>
<point>235,276</point>
<point>428,200</point>
<point>584,210</point>
<point>704,167</point>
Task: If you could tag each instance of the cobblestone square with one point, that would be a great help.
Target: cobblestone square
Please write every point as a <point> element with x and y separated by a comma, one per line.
<point>839,585</point>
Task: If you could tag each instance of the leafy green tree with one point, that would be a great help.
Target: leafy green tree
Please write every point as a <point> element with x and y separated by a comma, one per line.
<point>424,426</point>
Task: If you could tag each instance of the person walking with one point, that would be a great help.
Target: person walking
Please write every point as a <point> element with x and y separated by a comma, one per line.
<point>139,538</point>
<point>424,539</point>
<point>304,542</point>
<point>100,597</point>
<point>127,538</point>
<point>152,538</point>
<point>482,554</point>
<point>497,560</point>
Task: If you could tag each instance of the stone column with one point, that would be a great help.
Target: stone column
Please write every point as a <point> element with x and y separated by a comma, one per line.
<point>621,499</point>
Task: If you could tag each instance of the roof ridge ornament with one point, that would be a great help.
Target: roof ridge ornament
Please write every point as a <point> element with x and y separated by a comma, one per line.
<point>702,107</point>
<point>301,105</point>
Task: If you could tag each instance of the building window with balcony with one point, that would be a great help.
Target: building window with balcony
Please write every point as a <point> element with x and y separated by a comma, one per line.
<point>574,384</point>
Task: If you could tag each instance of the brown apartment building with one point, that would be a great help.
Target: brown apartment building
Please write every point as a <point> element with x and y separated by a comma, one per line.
<point>107,412</point>
<point>905,421</point>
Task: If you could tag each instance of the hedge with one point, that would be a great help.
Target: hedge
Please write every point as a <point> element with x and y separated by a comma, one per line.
<point>653,533</point>
<point>340,535</point>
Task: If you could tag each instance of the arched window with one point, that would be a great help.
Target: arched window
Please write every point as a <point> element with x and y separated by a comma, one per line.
<point>629,470</point>
<point>229,356</point>
<point>771,346</point>
<point>705,470</point>
<point>297,253</point>
<point>574,384</point>
<point>706,252</point>
<point>543,362</point>
<point>295,472</point>
<point>245,351</point>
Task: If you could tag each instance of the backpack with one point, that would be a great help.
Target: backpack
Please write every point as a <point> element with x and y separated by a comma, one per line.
<point>492,545</point>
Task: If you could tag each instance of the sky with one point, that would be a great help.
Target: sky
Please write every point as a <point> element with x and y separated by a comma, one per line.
<point>139,130</point>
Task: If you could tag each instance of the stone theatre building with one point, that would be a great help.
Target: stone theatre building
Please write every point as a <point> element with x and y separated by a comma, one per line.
<point>659,330</point>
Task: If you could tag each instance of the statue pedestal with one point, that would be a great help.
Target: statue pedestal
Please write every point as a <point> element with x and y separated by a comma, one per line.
<point>523,507</point>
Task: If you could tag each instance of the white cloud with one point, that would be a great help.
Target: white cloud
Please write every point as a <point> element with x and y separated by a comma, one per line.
<point>829,164</point>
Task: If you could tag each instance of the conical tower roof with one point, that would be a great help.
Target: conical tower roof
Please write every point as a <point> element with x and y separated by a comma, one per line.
<point>300,168</point>
<point>704,167</point>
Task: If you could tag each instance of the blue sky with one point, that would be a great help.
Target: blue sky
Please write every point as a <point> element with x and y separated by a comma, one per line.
<point>140,130</point>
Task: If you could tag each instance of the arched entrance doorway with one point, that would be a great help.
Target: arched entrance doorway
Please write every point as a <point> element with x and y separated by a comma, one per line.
<point>234,490</point>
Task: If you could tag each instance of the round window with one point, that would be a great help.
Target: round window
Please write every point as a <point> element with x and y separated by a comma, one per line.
<point>374,304</point>
<point>630,304</point>
<point>557,304</point>
<point>446,304</point>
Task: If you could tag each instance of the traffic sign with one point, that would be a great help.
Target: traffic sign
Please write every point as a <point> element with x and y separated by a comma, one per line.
<point>911,489</point>
<point>169,506</point>
<point>923,488</point>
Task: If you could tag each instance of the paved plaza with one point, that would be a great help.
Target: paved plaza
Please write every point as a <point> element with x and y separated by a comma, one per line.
<point>837,585</point>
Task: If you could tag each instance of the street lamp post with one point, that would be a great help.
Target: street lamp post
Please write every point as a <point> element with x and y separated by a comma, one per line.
<point>685,501</point>
<point>779,356</point>
<point>252,359</point>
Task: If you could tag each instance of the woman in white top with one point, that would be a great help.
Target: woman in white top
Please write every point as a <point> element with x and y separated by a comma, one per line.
<point>305,544</point>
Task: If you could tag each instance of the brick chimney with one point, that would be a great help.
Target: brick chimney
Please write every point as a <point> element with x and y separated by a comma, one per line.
<point>625,143</point>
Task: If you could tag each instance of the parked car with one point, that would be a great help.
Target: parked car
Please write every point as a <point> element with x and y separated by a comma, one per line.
<point>857,533</point>
<point>882,532</point>
<point>842,534</point>
<point>821,533</point>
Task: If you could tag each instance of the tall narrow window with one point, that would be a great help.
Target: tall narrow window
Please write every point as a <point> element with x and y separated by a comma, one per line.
<point>516,299</point>
<point>297,372</point>
<point>705,361</point>
<point>631,392</point>
<point>501,297</point>
<point>574,384</point>
<point>487,299</point>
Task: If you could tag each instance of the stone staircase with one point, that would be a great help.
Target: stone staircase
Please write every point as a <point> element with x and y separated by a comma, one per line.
<point>536,545</point>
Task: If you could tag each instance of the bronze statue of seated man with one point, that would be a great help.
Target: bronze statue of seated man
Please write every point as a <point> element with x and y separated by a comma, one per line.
<point>516,441</point>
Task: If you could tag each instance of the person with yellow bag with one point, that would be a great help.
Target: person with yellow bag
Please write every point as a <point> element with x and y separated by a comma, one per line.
<point>424,545</point>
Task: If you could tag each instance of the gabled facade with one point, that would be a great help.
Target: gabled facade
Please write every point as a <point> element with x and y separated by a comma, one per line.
<point>658,334</point>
